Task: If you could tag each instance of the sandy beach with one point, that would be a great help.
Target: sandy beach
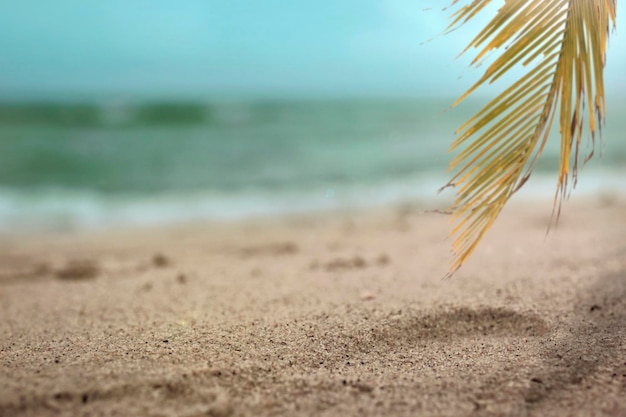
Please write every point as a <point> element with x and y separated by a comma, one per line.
<point>333,314</point>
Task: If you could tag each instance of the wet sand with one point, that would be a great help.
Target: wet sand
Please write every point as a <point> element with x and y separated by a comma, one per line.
<point>329,314</point>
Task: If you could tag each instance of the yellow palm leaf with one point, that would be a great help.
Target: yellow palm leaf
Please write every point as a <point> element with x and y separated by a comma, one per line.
<point>562,45</point>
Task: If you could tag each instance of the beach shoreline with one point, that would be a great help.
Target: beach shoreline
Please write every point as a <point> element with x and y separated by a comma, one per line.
<point>335,313</point>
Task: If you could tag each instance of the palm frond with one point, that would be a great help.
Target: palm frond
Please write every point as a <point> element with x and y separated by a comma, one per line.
<point>562,44</point>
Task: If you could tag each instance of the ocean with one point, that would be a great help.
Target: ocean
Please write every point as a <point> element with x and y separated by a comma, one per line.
<point>107,163</point>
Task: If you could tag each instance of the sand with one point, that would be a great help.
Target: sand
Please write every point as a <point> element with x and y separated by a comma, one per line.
<point>334,314</point>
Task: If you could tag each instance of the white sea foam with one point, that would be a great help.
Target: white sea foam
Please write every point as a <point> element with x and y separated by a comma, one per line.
<point>57,209</point>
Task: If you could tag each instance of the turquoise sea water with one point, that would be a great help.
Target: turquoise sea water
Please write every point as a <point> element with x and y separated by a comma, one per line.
<point>106,163</point>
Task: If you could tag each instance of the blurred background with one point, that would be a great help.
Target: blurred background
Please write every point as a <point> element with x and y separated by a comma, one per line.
<point>117,112</point>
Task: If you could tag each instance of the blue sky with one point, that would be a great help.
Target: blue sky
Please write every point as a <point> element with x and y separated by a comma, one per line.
<point>238,47</point>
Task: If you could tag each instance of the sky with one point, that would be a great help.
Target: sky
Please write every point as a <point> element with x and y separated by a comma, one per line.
<point>240,48</point>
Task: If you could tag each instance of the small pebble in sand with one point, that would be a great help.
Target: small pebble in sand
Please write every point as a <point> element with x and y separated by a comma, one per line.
<point>280,248</point>
<point>382,259</point>
<point>367,295</point>
<point>181,278</point>
<point>346,263</point>
<point>41,269</point>
<point>160,261</point>
<point>78,270</point>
